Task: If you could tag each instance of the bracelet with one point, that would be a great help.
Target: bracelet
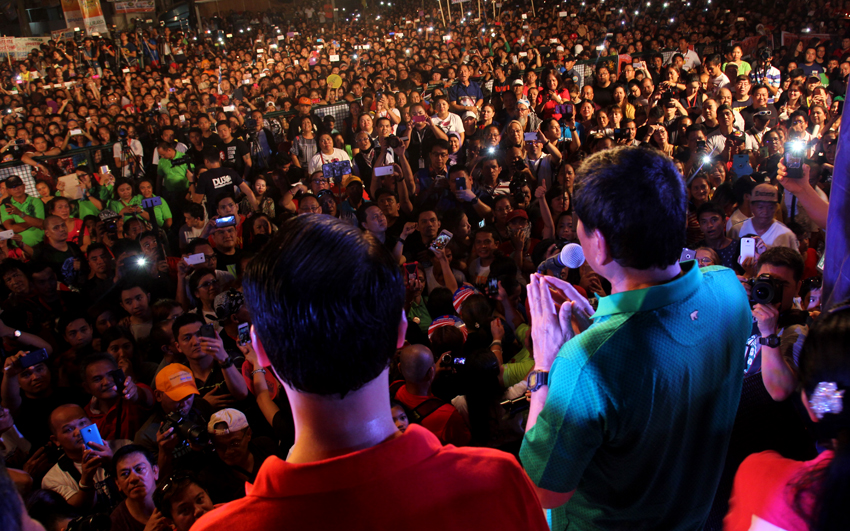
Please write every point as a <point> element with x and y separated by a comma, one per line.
<point>85,487</point>
<point>263,371</point>
<point>496,342</point>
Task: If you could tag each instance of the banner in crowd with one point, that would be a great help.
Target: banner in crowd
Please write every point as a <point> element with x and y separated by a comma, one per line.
<point>19,47</point>
<point>136,6</point>
<point>62,34</point>
<point>85,14</point>
<point>789,40</point>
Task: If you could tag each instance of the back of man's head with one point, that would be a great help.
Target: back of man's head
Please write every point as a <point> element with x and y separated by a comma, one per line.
<point>637,200</point>
<point>326,329</point>
<point>415,361</point>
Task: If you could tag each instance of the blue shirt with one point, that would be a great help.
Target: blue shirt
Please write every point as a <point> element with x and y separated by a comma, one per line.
<point>459,91</point>
<point>641,406</point>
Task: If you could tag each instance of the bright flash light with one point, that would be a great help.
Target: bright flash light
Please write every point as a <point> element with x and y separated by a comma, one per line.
<point>706,159</point>
<point>797,146</point>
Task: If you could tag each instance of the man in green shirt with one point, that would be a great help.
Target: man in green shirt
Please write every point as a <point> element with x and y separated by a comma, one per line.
<point>22,213</point>
<point>631,418</point>
<point>175,174</point>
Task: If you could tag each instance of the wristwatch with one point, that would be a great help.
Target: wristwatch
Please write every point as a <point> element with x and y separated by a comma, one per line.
<point>537,379</point>
<point>18,334</point>
<point>226,364</point>
<point>771,341</point>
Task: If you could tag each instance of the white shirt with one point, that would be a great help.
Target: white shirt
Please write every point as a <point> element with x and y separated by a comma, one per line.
<point>62,482</point>
<point>320,158</point>
<point>716,142</point>
<point>135,147</point>
<point>691,59</point>
<point>542,169</point>
<point>778,235</point>
<point>717,83</point>
<point>452,123</point>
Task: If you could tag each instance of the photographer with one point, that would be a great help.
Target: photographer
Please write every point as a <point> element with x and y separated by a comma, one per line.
<point>778,329</point>
<point>237,458</point>
<point>176,416</point>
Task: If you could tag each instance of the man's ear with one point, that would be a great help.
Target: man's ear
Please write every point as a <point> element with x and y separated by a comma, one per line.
<point>600,248</point>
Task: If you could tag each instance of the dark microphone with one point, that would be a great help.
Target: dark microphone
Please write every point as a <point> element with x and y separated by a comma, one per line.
<point>571,256</point>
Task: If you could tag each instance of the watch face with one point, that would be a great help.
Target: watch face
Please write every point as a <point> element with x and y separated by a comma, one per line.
<point>533,380</point>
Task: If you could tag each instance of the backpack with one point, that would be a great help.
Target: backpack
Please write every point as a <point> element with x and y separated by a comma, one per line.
<point>420,412</point>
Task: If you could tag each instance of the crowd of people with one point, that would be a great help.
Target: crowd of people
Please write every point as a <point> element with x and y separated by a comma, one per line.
<point>208,233</point>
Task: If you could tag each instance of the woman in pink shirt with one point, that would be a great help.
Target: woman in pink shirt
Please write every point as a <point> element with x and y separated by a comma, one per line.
<point>772,493</point>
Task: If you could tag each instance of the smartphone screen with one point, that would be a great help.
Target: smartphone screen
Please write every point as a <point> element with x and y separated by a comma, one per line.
<point>243,333</point>
<point>226,221</point>
<point>442,240</point>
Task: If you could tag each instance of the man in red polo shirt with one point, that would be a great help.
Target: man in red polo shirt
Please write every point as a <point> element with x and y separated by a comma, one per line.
<point>328,333</point>
<point>118,406</point>
<point>442,419</point>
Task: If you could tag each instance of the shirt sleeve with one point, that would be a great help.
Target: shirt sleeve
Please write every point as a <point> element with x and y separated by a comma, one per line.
<point>569,429</point>
<point>791,344</point>
<point>39,209</point>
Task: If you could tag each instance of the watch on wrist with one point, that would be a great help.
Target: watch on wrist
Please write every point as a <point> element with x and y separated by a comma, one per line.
<point>537,379</point>
<point>771,341</point>
<point>18,334</point>
<point>226,364</point>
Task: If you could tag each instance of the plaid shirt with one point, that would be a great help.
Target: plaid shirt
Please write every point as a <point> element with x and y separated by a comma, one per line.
<point>770,78</point>
<point>304,149</point>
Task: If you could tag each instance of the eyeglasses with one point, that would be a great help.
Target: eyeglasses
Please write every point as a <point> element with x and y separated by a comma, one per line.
<point>208,284</point>
<point>313,209</point>
<point>705,260</point>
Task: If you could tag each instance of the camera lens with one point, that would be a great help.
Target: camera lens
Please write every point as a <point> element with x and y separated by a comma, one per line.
<point>763,293</point>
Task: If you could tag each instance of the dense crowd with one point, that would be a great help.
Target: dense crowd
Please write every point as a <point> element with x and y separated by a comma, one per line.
<point>146,171</point>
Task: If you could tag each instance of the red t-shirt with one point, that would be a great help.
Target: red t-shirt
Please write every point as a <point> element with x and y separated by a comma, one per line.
<point>122,421</point>
<point>410,482</point>
<point>446,422</point>
<point>764,489</point>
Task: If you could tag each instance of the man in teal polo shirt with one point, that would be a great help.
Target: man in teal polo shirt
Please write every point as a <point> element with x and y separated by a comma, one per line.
<point>22,213</point>
<point>630,419</point>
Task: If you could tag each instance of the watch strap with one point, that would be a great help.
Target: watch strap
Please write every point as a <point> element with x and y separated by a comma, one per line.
<point>226,364</point>
<point>771,341</point>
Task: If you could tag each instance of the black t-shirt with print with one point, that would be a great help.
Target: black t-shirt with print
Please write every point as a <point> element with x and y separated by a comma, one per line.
<point>232,153</point>
<point>216,183</point>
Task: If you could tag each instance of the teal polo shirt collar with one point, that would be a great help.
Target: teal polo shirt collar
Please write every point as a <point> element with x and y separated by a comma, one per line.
<point>654,297</point>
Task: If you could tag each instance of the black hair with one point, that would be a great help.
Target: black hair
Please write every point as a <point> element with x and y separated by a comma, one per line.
<point>783,257</point>
<point>196,210</point>
<point>10,264</point>
<point>440,302</point>
<point>711,207</point>
<point>48,507</point>
<point>743,186</point>
<point>96,357</point>
<point>183,320</point>
<point>347,323</point>
<point>361,212</point>
<point>192,246</point>
<point>212,156</point>
<point>126,245</point>
<point>130,449</point>
<point>69,317</point>
<point>824,359</point>
<point>172,489</point>
<point>636,199</point>
<point>480,384</point>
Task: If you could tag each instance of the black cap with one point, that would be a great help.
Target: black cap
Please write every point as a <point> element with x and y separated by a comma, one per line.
<point>13,182</point>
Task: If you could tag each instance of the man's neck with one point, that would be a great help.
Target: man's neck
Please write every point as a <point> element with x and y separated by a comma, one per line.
<point>141,510</point>
<point>61,245</point>
<point>418,388</point>
<point>361,420</point>
<point>760,226</point>
<point>229,252</point>
<point>201,367</point>
<point>628,279</point>
<point>104,405</point>
<point>718,243</point>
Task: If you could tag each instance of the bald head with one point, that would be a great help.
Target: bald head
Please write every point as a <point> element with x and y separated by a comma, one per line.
<point>62,415</point>
<point>416,362</point>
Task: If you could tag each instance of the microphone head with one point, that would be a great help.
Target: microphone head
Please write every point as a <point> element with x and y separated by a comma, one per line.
<point>572,256</point>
